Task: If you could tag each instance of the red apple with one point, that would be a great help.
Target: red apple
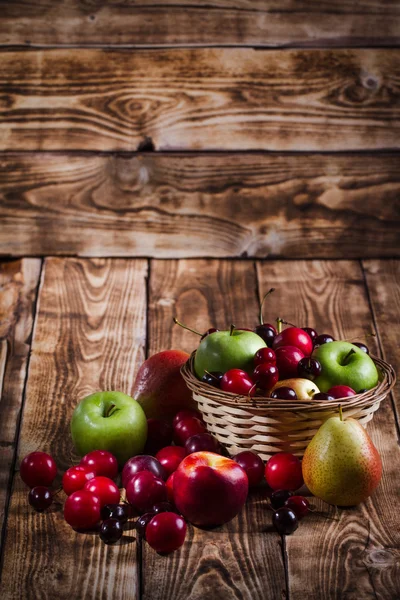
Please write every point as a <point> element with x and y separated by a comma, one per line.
<point>160,388</point>
<point>209,489</point>
<point>294,336</point>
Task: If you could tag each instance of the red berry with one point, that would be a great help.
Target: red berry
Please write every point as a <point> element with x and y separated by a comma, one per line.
<point>252,465</point>
<point>264,355</point>
<point>144,490</point>
<point>238,382</point>
<point>142,462</point>
<point>166,532</point>
<point>171,457</point>
<point>184,414</point>
<point>40,498</point>
<point>299,505</point>
<point>101,462</point>
<point>185,428</point>
<point>105,489</point>
<point>38,468</point>
<point>159,435</point>
<point>82,510</point>
<point>266,376</point>
<point>283,472</point>
<point>294,336</point>
<point>75,478</point>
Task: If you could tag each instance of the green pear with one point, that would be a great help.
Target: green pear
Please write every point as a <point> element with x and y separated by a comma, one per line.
<point>341,464</point>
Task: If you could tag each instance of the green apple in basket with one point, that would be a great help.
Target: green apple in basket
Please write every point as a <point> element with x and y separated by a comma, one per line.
<point>345,364</point>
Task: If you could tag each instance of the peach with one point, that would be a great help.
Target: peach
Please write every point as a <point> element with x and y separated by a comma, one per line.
<point>209,489</point>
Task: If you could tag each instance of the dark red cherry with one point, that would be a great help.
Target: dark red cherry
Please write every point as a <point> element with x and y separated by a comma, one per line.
<point>323,338</point>
<point>267,332</point>
<point>208,332</point>
<point>362,347</point>
<point>322,396</point>
<point>266,376</point>
<point>264,355</point>
<point>311,332</point>
<point>284,393</point>
<point>309,368</point>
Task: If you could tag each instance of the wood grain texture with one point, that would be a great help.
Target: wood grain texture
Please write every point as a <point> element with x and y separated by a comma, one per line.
<point>19,281</point>
<point>342,553</point>
<point>89,335</point>
<point>195,22</point>
<point>177,205</point>
<point>383,280</point>
<point>238,560</point>
<point>192,99</point>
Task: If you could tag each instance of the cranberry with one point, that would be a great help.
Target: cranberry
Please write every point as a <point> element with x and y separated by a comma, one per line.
<point>202,442</point>
<point>252,464</point>
<point>287,359</point>
<point>40,498</point>
<point>238,382</point>
<point>264,355</point>
<point>283,472</point>
<point>166,532</point>
<point>75,478</point>
<point>102,462</point>
<point>82,510</point>
<point>38,468</point>
<point>105,489</point>
<point>144,490</point>
<point>294,336</point>
<point>266,376</point>
<point>159,434</point>
<point>171,457</point>
<point>142,462</point>
<point>185,428</point>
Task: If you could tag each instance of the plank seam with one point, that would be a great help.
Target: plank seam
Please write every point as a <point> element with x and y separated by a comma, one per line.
<point>259,47</point>
<point>35,311</point>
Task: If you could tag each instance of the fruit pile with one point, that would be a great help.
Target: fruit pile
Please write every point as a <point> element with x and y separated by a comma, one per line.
<point>290,364</point>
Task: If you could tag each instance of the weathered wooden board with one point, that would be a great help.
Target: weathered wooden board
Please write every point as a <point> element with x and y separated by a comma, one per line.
<point>238,560</point>
<point>352,553</point>
<point>89,335</point>
<point>176,205</point>
<point>192,99</point>
<point>19,281</point>
<point>383,280</point>
<point>194,22</point>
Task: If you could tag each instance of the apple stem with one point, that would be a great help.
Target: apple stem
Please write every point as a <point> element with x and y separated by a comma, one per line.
<point>340,412</point>
<point>110,410</point>
<point>175,320</point>
<point>348,356</point>
<point>232,329</point>
<point>279,322</point>
<point>262,304</point>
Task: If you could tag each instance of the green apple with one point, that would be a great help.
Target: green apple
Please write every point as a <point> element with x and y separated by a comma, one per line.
<point>345,364</point>
<point>109,421</point>
<point>224,350</point>
<point>304,388</point>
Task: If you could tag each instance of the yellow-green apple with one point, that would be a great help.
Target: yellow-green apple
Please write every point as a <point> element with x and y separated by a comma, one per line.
<point>109,421</point>
<point>209,489</point>
<point>225,350</point>
<point>341,464</point>
<point>343,363</point>
<point>304,388</point>
<point>159,387</point>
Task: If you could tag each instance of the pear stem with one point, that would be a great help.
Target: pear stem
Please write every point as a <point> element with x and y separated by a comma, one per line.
<point>175,320</point>
<point>340,412</point>
<point>232,329</point>
<point>348,356</point>
<point>262,304</point>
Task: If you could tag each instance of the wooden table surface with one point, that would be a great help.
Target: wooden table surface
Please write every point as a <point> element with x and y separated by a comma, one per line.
<point>70,326</point>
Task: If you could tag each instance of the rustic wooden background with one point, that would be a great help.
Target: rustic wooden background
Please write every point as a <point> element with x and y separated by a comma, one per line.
<point>157,156</point>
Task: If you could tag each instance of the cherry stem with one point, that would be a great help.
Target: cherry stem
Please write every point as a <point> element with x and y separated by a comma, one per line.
<point>262,304</point>
<point>211,374</point>
<point>279,322</point>
<point>232,329</point>
<point>348,356</point>
<point>340,412</point>
<point>175,320</point>
<point>288,323</point>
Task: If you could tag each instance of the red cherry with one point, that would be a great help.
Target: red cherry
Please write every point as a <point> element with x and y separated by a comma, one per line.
<point>341,391</point>
<point>266,376</point>
<point>299,505</point>
<point>144,490</point>
<point>82,510</point>
<point>202,442</point>
<point>142,462</point>
<point>283,472</point>
<point>101,462</point>
<point>171,457</point>
<point>238,382</point>
<point>287,359</point>
<point>166,532</point>
<point>105,489</point>
<point>75,478</point>
<point>264,355</point>
<point>170,487</point>
<point>184,414</point>
<point>185,428</point>
<point>252,465</point>
<point>159,435</point>
<point>38,468</point>
<point>294,336</point>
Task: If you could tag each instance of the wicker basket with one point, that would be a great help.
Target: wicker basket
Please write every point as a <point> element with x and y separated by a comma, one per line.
<point>266,425</point>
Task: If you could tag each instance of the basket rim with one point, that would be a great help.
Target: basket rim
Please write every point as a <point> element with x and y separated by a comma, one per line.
<point>214,395</point>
